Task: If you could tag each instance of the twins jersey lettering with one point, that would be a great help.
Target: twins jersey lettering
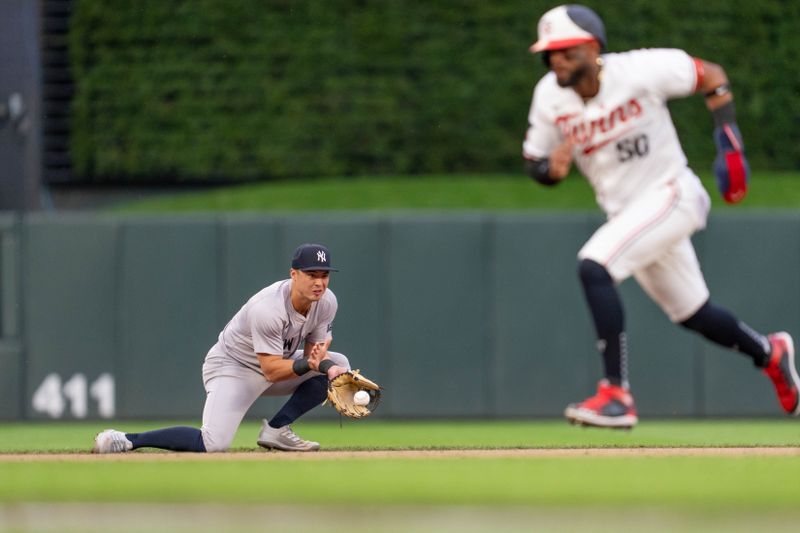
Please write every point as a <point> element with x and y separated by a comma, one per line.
<point>624,138</point>
<point>268,323</point>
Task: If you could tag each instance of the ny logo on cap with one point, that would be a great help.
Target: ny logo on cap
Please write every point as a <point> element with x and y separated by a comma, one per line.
<point>321,256</point>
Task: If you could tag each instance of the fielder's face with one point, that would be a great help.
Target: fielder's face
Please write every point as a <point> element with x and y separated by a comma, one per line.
<point>310,285</point>
<point>571,64</point>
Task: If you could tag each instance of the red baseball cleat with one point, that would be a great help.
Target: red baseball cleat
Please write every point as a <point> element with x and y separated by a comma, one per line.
<point>782,372</point>
<point>611,407</point>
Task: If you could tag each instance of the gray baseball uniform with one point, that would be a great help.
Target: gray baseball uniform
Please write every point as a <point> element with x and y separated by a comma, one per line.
<point>267,324</point>
<point>232,375</point>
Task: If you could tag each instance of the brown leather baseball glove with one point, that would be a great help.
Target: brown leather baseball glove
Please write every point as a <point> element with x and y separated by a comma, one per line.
<point>342,389</point>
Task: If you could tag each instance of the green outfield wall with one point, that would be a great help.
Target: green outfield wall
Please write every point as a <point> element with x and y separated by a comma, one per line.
<point>460,314</point>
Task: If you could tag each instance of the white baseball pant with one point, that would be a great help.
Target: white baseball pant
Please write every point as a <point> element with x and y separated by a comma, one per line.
<point>651,240</point>
<point>231,390</point>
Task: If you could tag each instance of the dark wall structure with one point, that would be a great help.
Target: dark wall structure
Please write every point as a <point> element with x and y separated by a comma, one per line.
<point>111,317</point>
<point>20,105</point>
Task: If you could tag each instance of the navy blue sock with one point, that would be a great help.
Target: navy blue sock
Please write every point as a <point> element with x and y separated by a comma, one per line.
<point>720,326</point>
<point>307,396</point>
<point>177,439</point>
<point>608,315</point>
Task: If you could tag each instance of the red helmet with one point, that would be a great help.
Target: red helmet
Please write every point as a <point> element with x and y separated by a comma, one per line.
<point>569,25</point>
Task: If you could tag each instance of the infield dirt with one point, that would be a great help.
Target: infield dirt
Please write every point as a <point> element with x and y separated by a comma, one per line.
<point>261,455</point>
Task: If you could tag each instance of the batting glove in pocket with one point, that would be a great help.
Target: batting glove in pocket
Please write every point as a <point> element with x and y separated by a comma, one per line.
<point>730,166</point>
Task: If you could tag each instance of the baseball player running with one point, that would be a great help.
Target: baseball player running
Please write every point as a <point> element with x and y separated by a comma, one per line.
<point>607,113</point>
<point>275,345</point>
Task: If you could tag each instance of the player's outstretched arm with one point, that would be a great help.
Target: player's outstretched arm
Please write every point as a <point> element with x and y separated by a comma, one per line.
<point>730,166</point>
<point>275,368</point>
<point>714,85</point>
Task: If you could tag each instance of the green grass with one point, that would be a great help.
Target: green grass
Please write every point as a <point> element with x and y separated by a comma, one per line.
<point>707,482</point>
<point>162,491</point>
<point>450,192</point>
<point>378,434</point>
<point>702,482</point>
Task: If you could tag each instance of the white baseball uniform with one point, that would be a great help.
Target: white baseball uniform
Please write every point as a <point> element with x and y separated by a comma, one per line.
<point>626,146</point>
<point>267,323</point>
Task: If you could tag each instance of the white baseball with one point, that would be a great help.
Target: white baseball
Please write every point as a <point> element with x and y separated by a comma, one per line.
<point>361,397</point>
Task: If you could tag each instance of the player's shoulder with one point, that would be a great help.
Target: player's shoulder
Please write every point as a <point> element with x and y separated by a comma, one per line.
<point>279,289</point>
<point>643,57</point>
<point>329,299</point>
<point>272,296</point>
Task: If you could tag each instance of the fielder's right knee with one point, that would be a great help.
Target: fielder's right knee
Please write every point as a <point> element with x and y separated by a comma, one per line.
<point>215,443</point>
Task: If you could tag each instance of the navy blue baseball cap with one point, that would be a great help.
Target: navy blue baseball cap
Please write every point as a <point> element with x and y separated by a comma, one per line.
<point>312,257</point>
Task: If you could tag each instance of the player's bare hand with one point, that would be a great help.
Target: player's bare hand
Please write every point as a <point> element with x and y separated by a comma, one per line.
<point>317,353</point>
<point>561,159</point>
<point>334,371</point>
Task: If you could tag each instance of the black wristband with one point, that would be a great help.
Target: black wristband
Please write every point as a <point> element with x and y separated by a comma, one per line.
<point>325,365</point>
<point>725,114</point>
<point>539,170</point>
<point>300,366</point>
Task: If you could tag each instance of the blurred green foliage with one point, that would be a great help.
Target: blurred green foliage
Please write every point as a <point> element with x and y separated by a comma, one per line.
<point>242,90</point>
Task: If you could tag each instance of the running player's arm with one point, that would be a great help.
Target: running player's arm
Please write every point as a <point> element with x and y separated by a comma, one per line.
<point>731,168</point>
<point>553,169</point>
<point>548,156</point>
<point>713,84</point>
<point>673,73</point>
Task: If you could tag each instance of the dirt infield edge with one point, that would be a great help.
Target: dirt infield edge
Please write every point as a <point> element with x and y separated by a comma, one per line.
<point>259,455</point>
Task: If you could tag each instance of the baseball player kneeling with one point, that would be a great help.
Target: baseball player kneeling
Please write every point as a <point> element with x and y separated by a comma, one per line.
<point>275,345</point>
<point>608,114</point>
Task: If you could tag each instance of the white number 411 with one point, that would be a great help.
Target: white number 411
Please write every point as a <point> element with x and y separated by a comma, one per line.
<point>52,396</point>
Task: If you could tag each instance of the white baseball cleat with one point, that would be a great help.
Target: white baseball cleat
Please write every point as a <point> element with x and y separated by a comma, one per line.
<point>284,439</point>
<point>111,441</point>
